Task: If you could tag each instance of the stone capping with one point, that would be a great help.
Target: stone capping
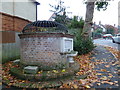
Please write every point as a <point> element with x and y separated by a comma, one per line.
<point>31,69</point>
<point>45,35</point>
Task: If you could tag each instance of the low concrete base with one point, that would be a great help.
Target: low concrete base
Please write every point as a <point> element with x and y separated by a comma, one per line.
<point>30,73</point>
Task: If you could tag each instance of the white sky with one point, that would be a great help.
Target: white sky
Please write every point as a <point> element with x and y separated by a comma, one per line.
<point>110,16</point>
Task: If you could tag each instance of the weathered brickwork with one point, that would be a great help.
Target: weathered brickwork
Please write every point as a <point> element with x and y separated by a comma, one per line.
<point>19,24</point>
<point>7,23</point>
<point>43,52</point>
<point>12,23</point>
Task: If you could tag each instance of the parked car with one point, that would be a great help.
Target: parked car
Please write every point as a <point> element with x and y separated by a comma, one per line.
<point>109,36</point>
<point>116,38</point>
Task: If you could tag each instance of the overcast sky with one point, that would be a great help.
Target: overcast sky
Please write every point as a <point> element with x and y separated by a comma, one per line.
<point>110,16</point>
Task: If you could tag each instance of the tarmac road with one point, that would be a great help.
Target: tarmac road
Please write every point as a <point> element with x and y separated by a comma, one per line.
<point>106,42</point>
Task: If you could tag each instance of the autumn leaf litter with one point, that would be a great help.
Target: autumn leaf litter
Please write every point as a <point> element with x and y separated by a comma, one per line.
<point>86,68</point>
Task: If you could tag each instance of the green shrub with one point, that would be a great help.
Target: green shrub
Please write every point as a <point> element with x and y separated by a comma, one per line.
<point>76,28</point>
<point>83,46</point>
<point>76,22</point>
<point>80,44</point>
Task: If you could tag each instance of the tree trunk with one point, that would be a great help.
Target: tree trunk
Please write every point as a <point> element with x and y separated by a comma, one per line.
<point>88,18</point>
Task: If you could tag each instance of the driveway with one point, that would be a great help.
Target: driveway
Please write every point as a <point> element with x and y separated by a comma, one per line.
<point>106,42</point>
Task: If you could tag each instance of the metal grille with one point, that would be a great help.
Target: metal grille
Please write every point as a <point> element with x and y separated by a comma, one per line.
<point>44,26</point>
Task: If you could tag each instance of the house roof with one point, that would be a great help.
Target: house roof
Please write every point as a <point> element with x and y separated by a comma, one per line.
<point>37,3</point>
<point>52,17</point>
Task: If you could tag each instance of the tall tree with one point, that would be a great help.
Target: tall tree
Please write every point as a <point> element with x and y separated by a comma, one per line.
<point>88,18</point>
<point>90,4</point>
<point>60,12</point>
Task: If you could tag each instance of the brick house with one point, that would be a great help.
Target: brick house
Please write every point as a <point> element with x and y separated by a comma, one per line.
<point>13,17</point>
<point>112,27</point>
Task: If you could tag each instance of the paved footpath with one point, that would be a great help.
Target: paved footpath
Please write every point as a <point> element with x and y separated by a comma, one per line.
<point>107,69</point>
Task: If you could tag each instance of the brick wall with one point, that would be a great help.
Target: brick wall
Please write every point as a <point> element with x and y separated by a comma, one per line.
<point>43,50</point>
<point>19,24</point>
<point>13,23</point>
<point>7,23</point>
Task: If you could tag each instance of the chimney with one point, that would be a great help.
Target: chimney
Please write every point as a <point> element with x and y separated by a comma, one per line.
<point>94,23</point>
<point>114,25</point>
<point>99,22</point>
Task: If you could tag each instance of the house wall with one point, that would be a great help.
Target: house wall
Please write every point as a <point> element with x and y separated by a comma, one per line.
<point>119,13</point>
<point>10,42</point>
<point>10,51</point>
<point>14,16</point>
<point>26,10</point>
<point>7,7</point>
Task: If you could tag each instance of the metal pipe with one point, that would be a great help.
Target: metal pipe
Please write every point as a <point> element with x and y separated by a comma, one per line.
<point>36,8</point>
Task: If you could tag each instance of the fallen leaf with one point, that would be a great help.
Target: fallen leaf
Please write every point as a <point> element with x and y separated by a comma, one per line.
<point>98,84</point>
<point>115,81</point>
<point>39,72</point>
<point>110,76</point>
<point>116,85</point>
<point>9,84</point>
<point>117,62</point>
<point>75,86</point>
<point>107,66</point>
<point>114,64</point>
<point>118,70</point>
<point>111,83</point>
<point>65,86</point>
<point>82,81</point>
<point>99,74</point>
<point>87,86</point>
<point>104,78</point>
<point>63,70</point>
<point>104,70</point>
<point>23,81</point>
<point>108,71</point>
<point>55,71</point>
<point>48,71</point>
